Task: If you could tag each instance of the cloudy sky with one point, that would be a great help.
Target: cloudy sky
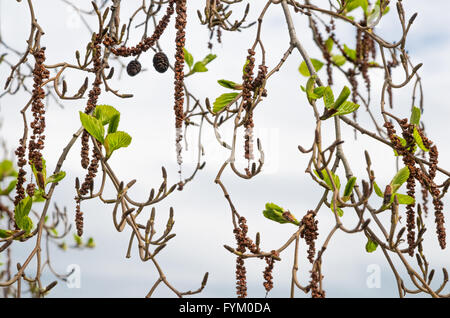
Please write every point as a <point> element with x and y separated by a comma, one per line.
<point>202,217</point>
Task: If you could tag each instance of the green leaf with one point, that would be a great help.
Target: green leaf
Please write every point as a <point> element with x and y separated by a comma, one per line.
<point>328,97</point>
<point>78,240</point>
<point>303,69</point>
<point>329,44</point>
<point>105,113</point>
<point>9,188</point>
<point>339,60</point>
<point>275,213</point>
<point>371,246</point>
<point>345,93</point>
<point>44,170</point>
<point>340,212</point>
<point>56,177</point>
<point>350,53</point>
<point>400,178</point>
<point>319,91</point>
<point>114,124</point>
<point>403,199</point>
<point>5,233</point>
<point>200,67</point>
<point>7,169</point>
<point>209,58</point>
<point>418,140</point>
<point>21,214</point>
<point>188,58</point>
<point>278,214</point>
<point>327,180</point>
<point>223,100</point>
<point>90,243</point>
<point>116,140</point>
<point>310,89</point>
<point>415,116</point>
<point>37,197</point>
<point>93,126</point>
<point>227,84</point>
<point>346,108</point>
<point>378,190</point>
<point>349,187</point>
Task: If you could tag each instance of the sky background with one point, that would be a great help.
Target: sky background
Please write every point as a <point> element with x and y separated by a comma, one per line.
<point>202,216</point>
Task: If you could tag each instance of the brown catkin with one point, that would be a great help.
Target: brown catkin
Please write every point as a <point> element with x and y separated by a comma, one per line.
<point>148,42</point>
<point>36,143</point>
<point>79,219</point>
<point>180,39</point>
<point>310,233</point>
<point>247,100</point>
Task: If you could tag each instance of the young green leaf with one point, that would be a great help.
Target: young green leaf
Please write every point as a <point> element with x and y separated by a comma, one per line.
<point>38,196</point>
<point>401,176</point>
<point>278,214</point>
<point>371,246</point>
<point>7,169</point>
<point>227,84</point>
<point>346,108</point>
<point>105,113</point>
<point>275,213</point>
<point>340,212</point>
<point>328,97</point>
<point>200,67</point>
<point>415,116</point>
<point>209,58</point>
<point>378,190</point>
<point>327,180</point>
<point>116,140</point>
<point>93,126</point>
<point>21,214</point>
<point>345,93</point>
<point>403,199</point>
<point>329,44</point>
<point>90,243</point>
<point>78,240</point>
<point>114,124</point>
<point>9,188</point>
<point>319,91</point>
<point>188,58</point>
<point>339,60</point>
<point>223,100</point>
<point>350,53</point>
<point>418,140</point>
<point>303,69</point>
<point>349,188</point>
<point>56,177</point>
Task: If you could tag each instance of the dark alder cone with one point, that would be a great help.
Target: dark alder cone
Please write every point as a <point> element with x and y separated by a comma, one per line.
<point>160,62</point>
<point>133,68</point>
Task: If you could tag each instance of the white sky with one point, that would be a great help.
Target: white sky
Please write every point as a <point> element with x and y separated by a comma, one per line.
<point>202,217</point>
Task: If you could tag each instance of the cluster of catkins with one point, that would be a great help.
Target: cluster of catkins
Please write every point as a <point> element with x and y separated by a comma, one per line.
<point>37,138</point>
<point>425,179</point>
<point>251,86</point>
<point>310,233</point>
<point>244,243</point>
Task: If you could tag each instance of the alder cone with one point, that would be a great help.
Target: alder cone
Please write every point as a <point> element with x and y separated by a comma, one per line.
<point>133,68</point>
<point>160,62</point>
